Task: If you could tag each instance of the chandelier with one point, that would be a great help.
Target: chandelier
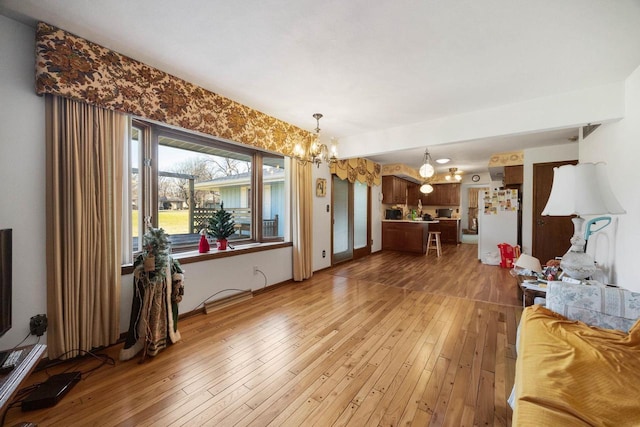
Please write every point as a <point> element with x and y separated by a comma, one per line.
<point>316,152</point>
<point>454,174</point>
<point>427,170</point>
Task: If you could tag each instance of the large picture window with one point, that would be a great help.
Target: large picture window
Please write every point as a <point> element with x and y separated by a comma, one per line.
<point>176,180</point>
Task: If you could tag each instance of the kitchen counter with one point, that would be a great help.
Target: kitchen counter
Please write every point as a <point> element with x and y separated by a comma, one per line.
<point>406,235</point>
<point>435,221</point>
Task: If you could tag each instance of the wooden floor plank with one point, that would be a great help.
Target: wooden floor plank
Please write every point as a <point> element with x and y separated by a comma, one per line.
<point>385,340</point>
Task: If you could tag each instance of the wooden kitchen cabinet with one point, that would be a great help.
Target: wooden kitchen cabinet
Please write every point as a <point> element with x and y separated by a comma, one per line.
<point>405,236</point>
<point>513,175</point>
<point>394,190</point>
<point>414,194</point>
<point>443,195</point>
<point>449,230</point>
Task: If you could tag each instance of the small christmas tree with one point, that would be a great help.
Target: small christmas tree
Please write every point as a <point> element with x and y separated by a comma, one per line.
<point>221,224</point>
<point>156,247</point>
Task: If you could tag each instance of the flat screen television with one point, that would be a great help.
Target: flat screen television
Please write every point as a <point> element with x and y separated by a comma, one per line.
<point>5,280</point>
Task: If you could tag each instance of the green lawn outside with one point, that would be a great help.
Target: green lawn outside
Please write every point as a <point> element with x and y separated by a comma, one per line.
<point>173,222</point>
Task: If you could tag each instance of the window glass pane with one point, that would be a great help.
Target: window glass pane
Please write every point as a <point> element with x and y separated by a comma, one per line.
<point>340,216</point>
<point>135,217</point>
<point>194,180</point>
<point>273,197</point>
<point>360,193</point>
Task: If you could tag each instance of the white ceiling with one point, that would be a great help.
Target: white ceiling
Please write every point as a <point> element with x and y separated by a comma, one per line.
<point>369,66</point>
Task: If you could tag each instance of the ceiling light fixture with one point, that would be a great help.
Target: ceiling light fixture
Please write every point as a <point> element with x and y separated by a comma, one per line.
<point>427,170</point>
<point>426,188</point>
<point>443,161</point>
<point>316,152</point>
<point>454,174</point>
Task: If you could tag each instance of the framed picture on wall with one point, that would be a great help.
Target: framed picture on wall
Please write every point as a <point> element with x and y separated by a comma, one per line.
<point>321,187</point>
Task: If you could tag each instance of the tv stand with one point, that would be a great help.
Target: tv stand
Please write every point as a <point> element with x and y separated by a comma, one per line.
<point>10,382</point>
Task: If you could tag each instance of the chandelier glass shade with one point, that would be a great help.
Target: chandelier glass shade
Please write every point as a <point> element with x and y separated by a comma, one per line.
<point>314,151</point>
<point>426,188</point>
<point>427,170</point>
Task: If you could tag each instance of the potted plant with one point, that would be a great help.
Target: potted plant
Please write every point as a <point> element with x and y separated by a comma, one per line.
<point>221,226</point>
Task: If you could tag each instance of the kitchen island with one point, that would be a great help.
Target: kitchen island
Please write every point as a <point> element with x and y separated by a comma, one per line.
<point>449,229</point>
<point>405,235</point>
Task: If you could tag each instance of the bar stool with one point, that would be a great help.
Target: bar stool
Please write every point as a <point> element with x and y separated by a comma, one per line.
<point>435,237</point>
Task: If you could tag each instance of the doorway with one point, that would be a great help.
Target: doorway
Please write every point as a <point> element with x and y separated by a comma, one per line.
<point>351,233</point>
<point>551,234</point>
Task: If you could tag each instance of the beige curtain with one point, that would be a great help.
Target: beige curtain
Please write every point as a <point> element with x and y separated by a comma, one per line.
<point>302,220</point>
<point>84,215</point>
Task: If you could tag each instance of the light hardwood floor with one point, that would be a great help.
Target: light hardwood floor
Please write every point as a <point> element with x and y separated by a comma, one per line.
<point>388,340</point>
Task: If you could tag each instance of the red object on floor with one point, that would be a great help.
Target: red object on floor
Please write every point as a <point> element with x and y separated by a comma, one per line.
<point>506,255</point>
<point>203,247</point>
<point>222,244</point>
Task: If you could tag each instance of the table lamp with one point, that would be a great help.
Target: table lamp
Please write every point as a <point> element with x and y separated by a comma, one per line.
<point>581,189</point>
<point>528,262</point>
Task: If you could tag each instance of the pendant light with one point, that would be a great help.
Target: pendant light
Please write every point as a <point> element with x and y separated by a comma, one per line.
<point>427,170</point>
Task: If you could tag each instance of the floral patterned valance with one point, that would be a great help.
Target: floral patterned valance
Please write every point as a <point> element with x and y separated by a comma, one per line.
<point>363,170</point>
<point>72,67</point>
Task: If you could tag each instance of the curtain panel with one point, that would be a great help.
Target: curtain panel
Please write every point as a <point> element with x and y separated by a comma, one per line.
<point>302,220</point>
<point>84,146</point>
<point>72,67</point>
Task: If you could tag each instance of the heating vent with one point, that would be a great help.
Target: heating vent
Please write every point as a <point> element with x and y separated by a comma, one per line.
<point>228,301</point>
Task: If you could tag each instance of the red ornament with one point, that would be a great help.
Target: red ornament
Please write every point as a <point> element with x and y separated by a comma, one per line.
<point>203,247</point>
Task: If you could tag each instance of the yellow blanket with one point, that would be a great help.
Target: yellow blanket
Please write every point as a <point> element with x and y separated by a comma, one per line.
<point>571,374</point>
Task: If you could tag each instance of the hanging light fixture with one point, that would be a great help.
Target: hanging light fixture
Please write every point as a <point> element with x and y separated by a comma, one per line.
<point>454,174</point>
<point>426,170</point>
<point>426,188</point>
<point>316,152</point>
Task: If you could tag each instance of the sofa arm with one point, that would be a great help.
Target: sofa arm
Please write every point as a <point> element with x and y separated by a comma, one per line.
<point>605,307</point>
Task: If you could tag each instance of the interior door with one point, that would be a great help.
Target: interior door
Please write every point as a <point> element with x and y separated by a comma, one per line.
<point>351,232</point>
<point>551,234</point>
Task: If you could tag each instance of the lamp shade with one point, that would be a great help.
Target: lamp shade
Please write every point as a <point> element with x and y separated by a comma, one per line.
<point>528,262</point>
<point>426,188</point>
<point>581,189</point>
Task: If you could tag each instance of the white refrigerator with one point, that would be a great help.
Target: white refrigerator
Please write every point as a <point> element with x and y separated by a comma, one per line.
<point>497,223</point>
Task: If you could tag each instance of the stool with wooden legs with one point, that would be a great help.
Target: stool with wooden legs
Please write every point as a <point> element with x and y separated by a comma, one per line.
<point>434,236</point>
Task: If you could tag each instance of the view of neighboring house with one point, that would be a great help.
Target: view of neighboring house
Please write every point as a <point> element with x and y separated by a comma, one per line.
<point>234,192</point>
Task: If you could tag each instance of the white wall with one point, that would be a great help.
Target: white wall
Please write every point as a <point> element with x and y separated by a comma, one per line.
<point>618,144</point>
<point>321,220</point>
<point>210,279</point>
<point>322,227</point>
<point>22,174</point>
<point>568,151</point>
<point>564,110</point>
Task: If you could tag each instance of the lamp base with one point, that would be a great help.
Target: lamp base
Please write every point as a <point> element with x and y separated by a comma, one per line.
<point>578,265</point>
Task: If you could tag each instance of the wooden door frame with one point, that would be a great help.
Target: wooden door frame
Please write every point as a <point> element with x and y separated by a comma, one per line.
<point>355,253</point>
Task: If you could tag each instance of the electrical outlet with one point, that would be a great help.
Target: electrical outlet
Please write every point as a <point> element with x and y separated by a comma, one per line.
<point>255,269</point>
<point>38,324</point>
<point>324,254</point>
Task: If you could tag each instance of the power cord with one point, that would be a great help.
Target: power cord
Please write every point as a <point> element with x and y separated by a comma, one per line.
<point>23,392</point>
<point>263,275</point>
